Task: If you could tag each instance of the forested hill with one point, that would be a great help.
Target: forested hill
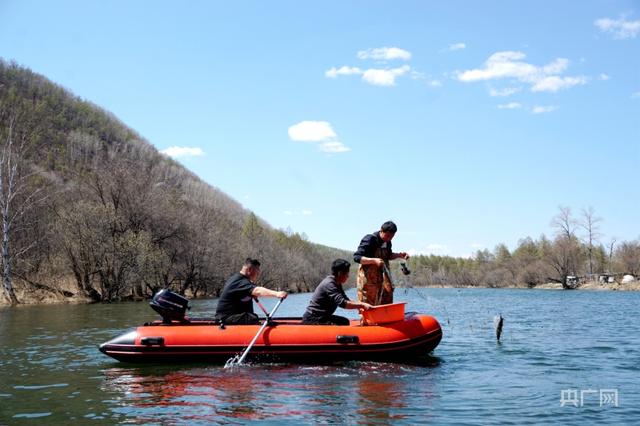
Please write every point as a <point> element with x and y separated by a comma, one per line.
<point>96,212</point>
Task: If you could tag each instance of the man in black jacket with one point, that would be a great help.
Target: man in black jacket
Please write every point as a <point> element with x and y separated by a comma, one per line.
<point>329,295</point>
<point>236,302</point>
<point>373,255</point>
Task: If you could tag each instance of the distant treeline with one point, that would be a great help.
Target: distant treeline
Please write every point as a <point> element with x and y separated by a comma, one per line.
<point>91,210</point>
<point>575,251</point>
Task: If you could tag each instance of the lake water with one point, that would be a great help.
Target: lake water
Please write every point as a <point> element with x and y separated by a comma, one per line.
<point>565,357</point>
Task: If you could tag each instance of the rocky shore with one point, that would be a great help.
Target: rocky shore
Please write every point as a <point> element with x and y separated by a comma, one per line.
<point>594,285</point>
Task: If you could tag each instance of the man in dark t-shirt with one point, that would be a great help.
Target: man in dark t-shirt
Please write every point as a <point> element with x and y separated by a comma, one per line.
<point>329,295</point>
<point>236,301</point>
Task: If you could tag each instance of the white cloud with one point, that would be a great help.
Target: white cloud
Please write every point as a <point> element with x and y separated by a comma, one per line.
<point>344,70</point>
<point>374,76</point>
<point>385,54</point>
<point>457,46</point>
<point>378,76</point>
<point>182,151</point>
<point>312,131</point>
<point>510,65</point>
<point>320,132</point>
<point>510,105</point>
<point>543,109</point>
<point>604,77</point>
<point>635,95</point>
<point>501,65</point>
<point>556,67</point>
<point>555,83</point>
<point>306,212</point>
<point>619,28</point>
<point>288,212</point>
<point>334,147</point>
<point>384,77</point>
<point>504,92</point>
<point>476,246</point>
<point>432,82</point>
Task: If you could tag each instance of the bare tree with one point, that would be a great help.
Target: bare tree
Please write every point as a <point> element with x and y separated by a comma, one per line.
<point>612,243</point>
<point>564,255</point>
<point>628,256</point>
<point>17,195</point>
<point>252,230</point>
<point>590,225</point>
<point>564,223</point>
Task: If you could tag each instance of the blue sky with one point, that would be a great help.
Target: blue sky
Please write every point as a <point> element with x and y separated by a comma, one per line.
<point>467,123</point>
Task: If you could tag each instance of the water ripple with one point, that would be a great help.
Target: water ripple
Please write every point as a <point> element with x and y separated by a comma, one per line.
<point>31,415</point>
<point>37,387</point>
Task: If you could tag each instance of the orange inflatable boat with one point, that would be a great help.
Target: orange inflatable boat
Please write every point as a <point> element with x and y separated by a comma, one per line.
<point>387,333</point>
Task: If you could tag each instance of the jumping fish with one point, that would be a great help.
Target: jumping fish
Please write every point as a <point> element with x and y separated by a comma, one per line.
<point>498,322</point>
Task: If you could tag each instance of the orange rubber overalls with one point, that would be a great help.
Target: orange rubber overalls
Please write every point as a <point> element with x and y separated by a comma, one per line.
<point>374,285</point>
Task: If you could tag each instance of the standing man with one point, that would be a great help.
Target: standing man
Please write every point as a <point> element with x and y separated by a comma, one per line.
<point>373,255</point>
<point>329,295</point>
<point>236,305</point>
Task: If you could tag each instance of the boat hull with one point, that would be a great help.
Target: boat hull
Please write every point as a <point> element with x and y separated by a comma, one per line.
<point>285,340</point>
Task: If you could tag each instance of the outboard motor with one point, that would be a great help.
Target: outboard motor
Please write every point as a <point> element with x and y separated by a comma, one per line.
<point>170,306</point>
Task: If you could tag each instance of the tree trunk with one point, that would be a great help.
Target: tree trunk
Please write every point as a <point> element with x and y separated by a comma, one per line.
<point>6,260</point>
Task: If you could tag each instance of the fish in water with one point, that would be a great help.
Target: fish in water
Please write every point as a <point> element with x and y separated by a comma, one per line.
<point>498,322</point>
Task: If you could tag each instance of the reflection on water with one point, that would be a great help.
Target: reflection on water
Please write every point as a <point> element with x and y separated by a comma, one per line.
<point>349,392</point>
<point>377,399</point>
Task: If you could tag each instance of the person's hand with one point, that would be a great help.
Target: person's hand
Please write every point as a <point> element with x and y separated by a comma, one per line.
<point>404,255</point>
<point>379,262</point>
<point>282,294</point>
<point>365,306</point>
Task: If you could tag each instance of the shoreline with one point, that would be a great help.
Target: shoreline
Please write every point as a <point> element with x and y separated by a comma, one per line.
<point>33,298</point>
<point>588,286</point>
<point>595,286</point>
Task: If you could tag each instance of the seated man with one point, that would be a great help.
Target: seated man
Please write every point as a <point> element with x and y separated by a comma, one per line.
<point>236,305</point>
<point>329,295</point>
